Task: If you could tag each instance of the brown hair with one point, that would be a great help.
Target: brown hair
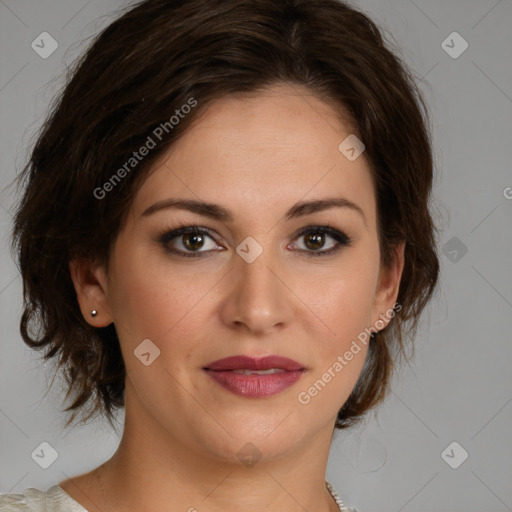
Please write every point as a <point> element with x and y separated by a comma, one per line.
<point>148,63</point>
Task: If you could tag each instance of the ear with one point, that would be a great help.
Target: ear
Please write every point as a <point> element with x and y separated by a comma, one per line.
<point>388,285</point>
<point>90,283</point>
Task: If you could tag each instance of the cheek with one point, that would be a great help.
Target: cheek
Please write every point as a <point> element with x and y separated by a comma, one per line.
<point>340,351</point>
<point>149,300</point>
<point>344,308</point>
<point>343,298</point>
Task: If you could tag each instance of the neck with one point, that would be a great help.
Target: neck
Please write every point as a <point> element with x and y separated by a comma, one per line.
<point>152,469</point>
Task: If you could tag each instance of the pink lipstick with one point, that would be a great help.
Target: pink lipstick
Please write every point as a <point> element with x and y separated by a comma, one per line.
<point>255,377</point>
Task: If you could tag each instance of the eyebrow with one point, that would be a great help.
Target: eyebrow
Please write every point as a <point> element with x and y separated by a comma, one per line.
<point>218,212</point>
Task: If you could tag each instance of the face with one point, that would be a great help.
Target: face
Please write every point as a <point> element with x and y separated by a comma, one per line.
<point>272,279</point>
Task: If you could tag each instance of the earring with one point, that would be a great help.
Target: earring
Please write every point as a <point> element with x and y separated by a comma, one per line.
<point>94,312</point>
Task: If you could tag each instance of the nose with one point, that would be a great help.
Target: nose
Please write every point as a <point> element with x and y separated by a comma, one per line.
<point>257,299</point>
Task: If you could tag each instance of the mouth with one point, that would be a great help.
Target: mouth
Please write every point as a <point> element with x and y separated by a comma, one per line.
<point>255,377</point>
<point>243,362</point>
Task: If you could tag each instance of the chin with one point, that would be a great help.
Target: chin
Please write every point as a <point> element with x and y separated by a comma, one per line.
<point>257,439</point>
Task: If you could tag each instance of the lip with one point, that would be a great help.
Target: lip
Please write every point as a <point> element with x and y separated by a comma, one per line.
<point>255,386</point>
<point>252,363</point>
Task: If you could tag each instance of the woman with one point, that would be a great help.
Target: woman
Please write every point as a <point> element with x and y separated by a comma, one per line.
<point>226,231</point>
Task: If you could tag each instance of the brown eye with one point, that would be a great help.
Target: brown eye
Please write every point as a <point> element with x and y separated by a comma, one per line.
<point>314,241</point>
<point>193,241</point>
<point>188,241</point>
<point>315,237</point>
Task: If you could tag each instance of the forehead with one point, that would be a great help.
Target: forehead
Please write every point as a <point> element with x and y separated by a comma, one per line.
<point>260,153</point>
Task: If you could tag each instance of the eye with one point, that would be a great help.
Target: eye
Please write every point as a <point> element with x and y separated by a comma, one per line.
<point>315,239</point>
<point>192,241</point>
<point>187,240</point>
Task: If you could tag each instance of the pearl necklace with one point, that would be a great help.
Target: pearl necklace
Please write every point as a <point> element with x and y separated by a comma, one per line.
<point>337,499</point>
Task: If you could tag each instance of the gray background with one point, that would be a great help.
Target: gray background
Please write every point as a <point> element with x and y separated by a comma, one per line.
<point>458,386</point>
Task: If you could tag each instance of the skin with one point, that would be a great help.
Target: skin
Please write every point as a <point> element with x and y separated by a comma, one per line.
<point>256,155</point>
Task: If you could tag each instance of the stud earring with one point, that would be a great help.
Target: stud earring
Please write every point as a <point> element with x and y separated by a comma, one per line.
<point>94,312</point>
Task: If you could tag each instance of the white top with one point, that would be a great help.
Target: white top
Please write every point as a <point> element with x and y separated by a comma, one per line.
<point>55,499</point>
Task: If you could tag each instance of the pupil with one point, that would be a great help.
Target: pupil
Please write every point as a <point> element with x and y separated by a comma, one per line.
<point>317,241</point>
<point>191,239</point>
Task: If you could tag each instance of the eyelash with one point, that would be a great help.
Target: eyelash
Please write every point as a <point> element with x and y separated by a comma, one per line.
<point>192,228</point>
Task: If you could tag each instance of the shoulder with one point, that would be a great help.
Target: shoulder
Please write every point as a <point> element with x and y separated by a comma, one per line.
<point>31,499</point>
<point>37,500</point>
